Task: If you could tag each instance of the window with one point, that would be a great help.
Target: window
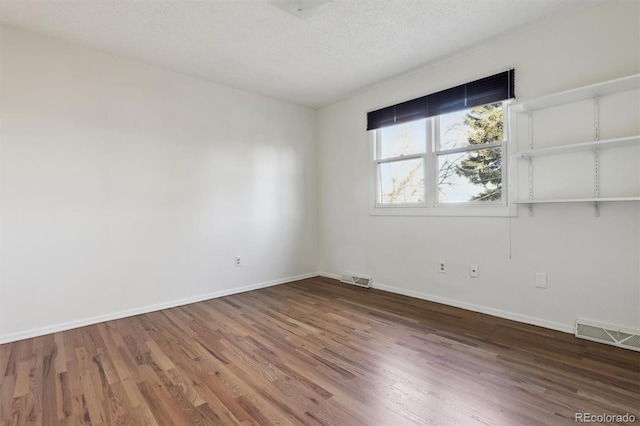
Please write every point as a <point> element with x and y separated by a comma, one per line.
<point>469,147</point>
<point>400,163</point>
<point>450,158</point>
<point>432,155</point>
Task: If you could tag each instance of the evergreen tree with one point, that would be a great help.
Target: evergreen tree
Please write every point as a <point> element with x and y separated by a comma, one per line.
<point>484,167</point>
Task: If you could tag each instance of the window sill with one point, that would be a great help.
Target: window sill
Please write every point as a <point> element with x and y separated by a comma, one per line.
<point>447,211</point>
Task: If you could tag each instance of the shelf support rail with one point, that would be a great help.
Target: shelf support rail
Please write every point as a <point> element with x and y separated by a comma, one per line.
<point>596,159</point>
<point>530,122</point>
<point>596,181</point>
<point>596,119</point>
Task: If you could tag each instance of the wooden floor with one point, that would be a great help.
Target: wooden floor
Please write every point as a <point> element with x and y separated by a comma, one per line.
<point>313,352</point>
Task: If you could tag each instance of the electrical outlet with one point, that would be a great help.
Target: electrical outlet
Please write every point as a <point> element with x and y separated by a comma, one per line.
<point>474,271</point>
<point>442,266</point>
<point>238,264</point>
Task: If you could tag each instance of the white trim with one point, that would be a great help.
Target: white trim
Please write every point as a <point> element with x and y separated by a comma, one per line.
<point>329,275</point>
<point>469,148</point>
<point>565,328</point>
<point>400,158</point>
<point>40,331</point>
<point>35,332</point>
<point>449,210</point>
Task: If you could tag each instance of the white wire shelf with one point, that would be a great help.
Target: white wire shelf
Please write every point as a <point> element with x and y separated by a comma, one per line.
<point>609,87</point>
<point>577,200</point>
<point>585,146</point>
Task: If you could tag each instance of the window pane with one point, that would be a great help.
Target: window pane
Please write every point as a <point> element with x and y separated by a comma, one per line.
<point>401,182</point>
<point>470,176</point>
<point>402,139</point>
<point>474,126</point>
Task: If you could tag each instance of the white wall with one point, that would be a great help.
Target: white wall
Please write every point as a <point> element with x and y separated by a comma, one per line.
<point>592,263</point>
<point>125,187</point>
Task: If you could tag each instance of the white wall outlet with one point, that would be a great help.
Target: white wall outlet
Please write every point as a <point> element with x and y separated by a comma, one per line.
<point>540,280</point>
<point>442,266</point>
<point>474,271</point>
<point>238,264</point>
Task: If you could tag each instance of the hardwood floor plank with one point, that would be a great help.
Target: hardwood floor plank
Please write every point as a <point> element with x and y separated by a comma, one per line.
<point>5,355</point>
<point>159,357</point>
<point>60,363</point>
<point>143,412</point>
<point>6,399</point>
<point>155,405</point>
<point>313,352</point>
<point>117,407</point>
<point>22,379</point>
<point>133,393</point>
<point>186,388</point>
<point>93,402</point>
<point>48,394</point>
<point>18,414</point>
<point>63,398</point>
<point>217,399</point>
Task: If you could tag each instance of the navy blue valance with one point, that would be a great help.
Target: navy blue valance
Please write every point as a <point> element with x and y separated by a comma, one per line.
<point>495,88</point>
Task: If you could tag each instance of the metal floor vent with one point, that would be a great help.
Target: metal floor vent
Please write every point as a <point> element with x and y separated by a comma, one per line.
<point>358,280</point>
<point>609,334</point>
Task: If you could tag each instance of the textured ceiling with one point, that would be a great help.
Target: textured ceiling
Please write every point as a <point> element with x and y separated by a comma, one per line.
<point>256,46</point>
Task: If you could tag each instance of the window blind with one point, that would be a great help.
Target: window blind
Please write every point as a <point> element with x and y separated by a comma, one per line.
<point>495,88</point>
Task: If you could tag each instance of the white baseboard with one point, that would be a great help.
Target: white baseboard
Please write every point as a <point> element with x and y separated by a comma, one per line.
<point>566,328</point>
<point>26,334</point>
<point>328,275</point>
<point>40,331</point>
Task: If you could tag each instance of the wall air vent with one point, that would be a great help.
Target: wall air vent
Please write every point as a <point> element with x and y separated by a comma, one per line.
<point>608,334</point>
<point>358,280</point>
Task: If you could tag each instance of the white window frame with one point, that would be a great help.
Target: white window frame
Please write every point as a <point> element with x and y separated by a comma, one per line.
<point>430,206</point>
